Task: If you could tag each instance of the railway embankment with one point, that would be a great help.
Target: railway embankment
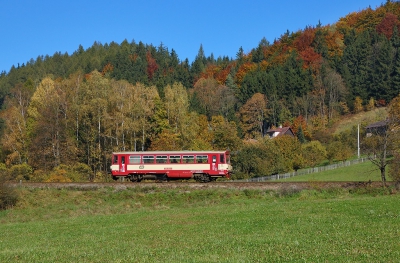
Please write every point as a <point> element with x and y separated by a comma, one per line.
<point>192,185</point>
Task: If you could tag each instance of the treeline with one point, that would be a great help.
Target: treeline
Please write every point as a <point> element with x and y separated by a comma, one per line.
<point>72,111</point>
<point>80,120</point>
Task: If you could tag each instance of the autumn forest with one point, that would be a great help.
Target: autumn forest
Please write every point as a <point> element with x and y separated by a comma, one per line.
<point>63,115</point>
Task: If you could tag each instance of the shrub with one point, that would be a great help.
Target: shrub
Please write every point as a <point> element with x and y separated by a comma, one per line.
<point>21,172</point>
<point>288,191</point>
<point>8,196</point>
<point>84,171</point>
<point>68,173</point>
<point>338,151</point>
<point>313,153</point>
<point>4,174</point>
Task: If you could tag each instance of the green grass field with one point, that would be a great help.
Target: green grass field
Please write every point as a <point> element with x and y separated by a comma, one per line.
<point>216,225</point>
<point>359,172</point>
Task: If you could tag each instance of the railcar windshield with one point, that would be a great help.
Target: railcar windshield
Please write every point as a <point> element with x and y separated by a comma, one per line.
<point>222,158</point>
<point>115,159</point>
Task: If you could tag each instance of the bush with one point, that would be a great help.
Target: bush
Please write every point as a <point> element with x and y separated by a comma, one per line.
<point>8,196</point>
<point>338,151</point>
<point>4,174</point>
<point>83,170</point>
<point>288,191</point>
<point>69,173</point>
<point>313,153</point>
<point>21,172</point>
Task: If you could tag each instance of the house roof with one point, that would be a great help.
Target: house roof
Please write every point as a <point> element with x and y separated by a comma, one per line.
<point>281,131</point>
<point>377,124</point>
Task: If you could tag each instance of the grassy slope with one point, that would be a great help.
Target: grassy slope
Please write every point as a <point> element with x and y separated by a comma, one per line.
<point>359,172</point>
<point>347,122</point>
<point>200,226</point>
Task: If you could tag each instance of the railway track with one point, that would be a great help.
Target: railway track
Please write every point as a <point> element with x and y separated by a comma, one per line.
<point>192,185</point>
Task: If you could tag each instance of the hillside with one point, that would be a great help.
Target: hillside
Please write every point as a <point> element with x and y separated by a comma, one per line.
<point>63,115</point>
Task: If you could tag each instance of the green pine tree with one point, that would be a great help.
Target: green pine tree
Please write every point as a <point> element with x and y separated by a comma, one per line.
<point>300,135</point>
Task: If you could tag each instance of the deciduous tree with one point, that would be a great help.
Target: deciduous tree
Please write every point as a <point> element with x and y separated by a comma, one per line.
<point>384,140</point>
<point>253,114</point>
<point>313,153</point>
<point>15,137</point>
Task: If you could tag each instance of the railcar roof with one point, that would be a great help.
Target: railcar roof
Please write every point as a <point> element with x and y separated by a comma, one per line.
<point>169,152</point>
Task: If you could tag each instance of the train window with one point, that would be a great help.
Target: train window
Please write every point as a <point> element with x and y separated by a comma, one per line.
<point>123,159</point>
<point>115,160</point>
<point>148,159</point>
<point>214,159</point>
<point>221,158</point>
<point>161,159</point>
<point>201,159</point>
<point>188,159</point>
<point>134,159</point>
<point>174,159</point>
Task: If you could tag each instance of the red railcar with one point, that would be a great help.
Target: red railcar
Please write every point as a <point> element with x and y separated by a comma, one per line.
<point>203,166</point>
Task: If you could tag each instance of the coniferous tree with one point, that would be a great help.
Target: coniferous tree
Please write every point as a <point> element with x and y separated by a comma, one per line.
<point>395,78</point>
<point>356,60</point>
<point>380,69</point>
<point>395,73</point>
<point>253,82</point>
<point>319,42</point>
<point>258,53</point>
<point>300,135</point>
<point>240,56</point>
<point>199,63</point>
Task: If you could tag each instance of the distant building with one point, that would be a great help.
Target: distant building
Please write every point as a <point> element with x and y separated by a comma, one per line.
<point>379,128</point>
<point>272,133</point>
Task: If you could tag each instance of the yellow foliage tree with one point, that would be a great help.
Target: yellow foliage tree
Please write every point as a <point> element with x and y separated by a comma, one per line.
<point>358,107</point>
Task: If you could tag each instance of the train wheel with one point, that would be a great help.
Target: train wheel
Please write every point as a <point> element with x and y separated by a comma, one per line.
<point>133,178</point>
<point>202,178</point>
<point>162,178</point>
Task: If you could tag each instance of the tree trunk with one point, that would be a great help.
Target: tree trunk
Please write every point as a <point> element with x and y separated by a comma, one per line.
<point>383,176</point>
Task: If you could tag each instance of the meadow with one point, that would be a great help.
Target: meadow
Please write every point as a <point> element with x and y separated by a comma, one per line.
<point>214,225</point>
<point>361,172</point>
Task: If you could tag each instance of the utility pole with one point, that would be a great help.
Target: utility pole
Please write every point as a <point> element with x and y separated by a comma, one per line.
<point>358,141</point>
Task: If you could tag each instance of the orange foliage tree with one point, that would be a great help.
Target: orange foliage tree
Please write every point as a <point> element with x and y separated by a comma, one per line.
<point>301,122</point>
<point>387,24</point>
<point>151,65</point>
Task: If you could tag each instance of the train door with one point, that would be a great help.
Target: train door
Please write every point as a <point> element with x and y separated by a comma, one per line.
<point>122,164</point>
<point>214,164</point>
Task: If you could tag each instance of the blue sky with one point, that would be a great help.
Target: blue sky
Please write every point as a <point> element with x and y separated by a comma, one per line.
<point>42,27</point>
